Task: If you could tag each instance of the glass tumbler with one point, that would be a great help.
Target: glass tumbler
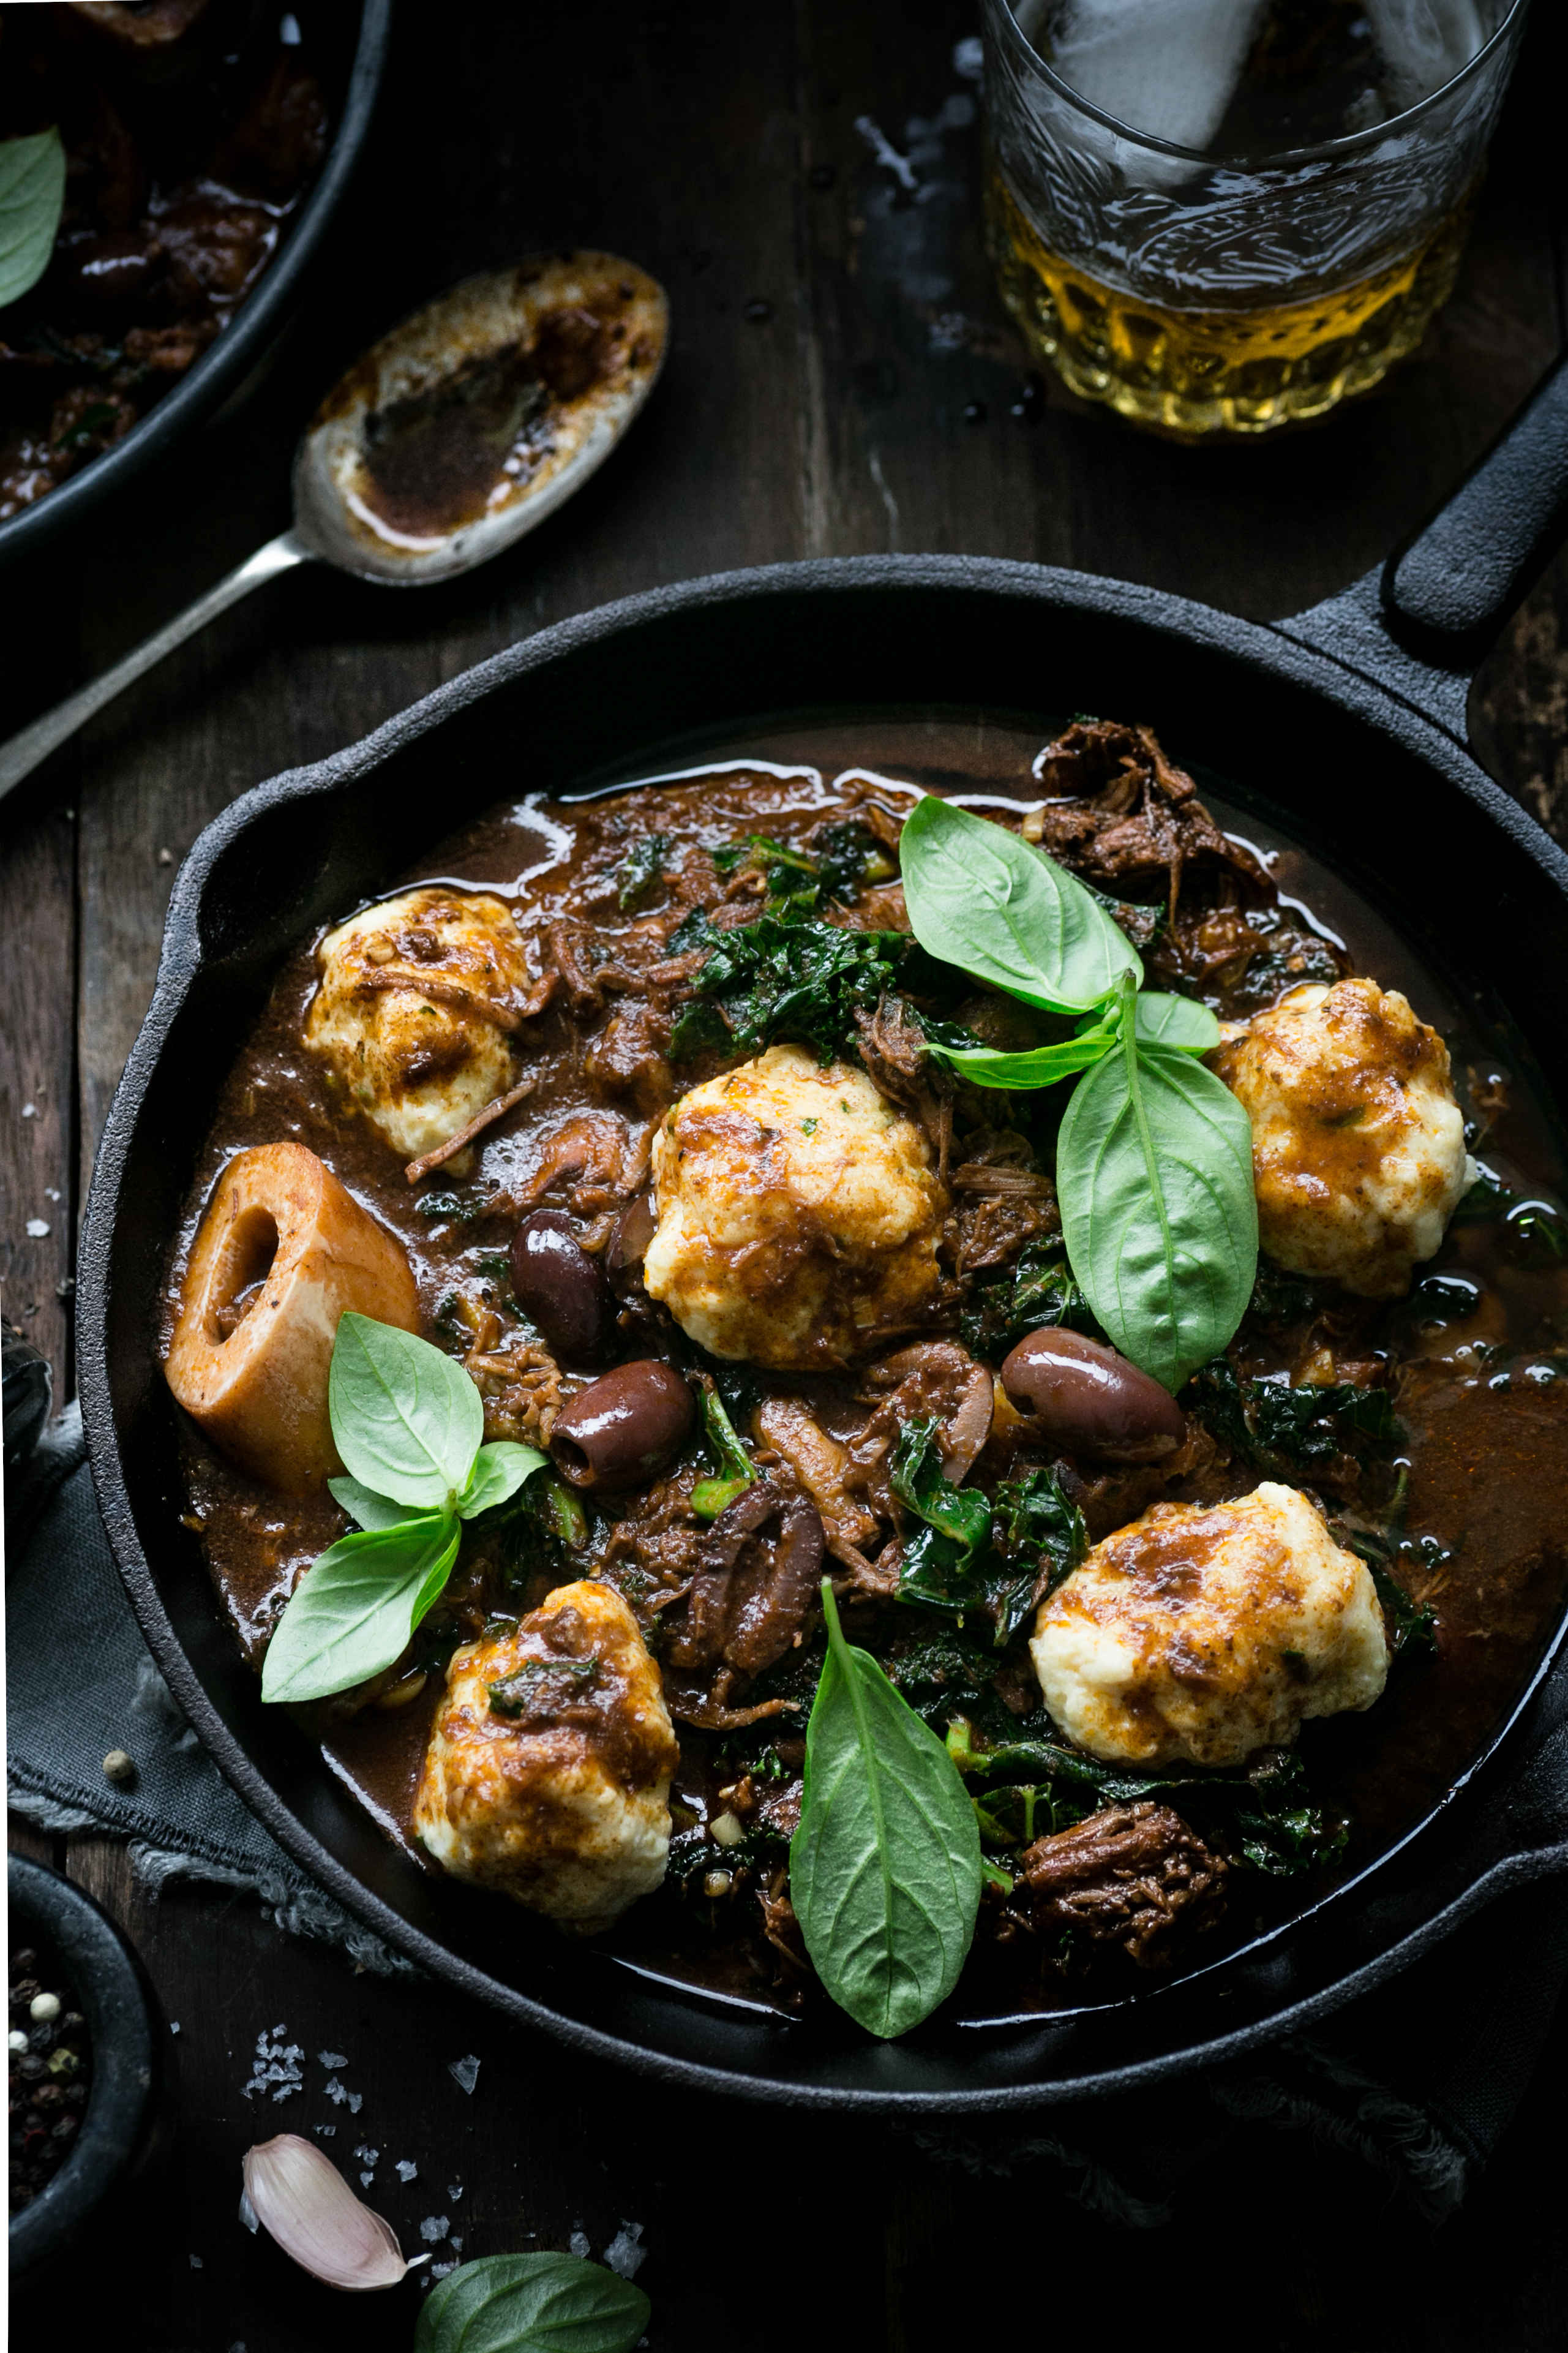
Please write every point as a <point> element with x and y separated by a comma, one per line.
<point>1208,293</point>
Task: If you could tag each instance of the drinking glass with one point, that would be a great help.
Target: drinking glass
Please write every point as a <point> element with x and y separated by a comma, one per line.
<point>1210,294</point>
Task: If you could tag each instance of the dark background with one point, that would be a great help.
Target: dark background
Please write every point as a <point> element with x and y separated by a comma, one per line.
<point>828,336</point>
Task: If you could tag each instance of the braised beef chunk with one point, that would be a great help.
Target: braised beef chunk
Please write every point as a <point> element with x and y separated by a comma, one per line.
<point>1131,821</point>
<point>1133,1878</point>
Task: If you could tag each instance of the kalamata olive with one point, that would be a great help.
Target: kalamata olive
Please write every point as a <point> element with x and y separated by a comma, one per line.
<point>561,1288</point>
<point>623,1428</point>
<point>1089,1400</point>
<point>631,1234</point>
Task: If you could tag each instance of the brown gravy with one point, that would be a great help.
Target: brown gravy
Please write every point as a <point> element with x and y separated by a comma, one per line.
<point>1482,1384</point>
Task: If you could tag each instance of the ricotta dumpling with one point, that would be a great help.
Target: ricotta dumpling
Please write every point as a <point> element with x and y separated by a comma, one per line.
<point>547,1774</point>
<point>798,1214</point>
<point>413,1010</point>
<point>1199,1634</point>
<point>1358,1146</point>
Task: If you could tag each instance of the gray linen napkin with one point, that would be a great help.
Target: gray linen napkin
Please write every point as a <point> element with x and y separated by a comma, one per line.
<point>67,1614</point>
<point>1419,2079</point>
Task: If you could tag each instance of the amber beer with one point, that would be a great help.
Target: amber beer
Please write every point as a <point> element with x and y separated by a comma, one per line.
<point>1194,372</point>
<point>1222,217</point>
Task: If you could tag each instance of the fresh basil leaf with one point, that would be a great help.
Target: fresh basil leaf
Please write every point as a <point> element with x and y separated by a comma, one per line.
<point>1175,1021</point>
<point>980,898</point>
<point>1042,1066</point>
<point>32,195</point>
<point>885,1864</point>
<point>1159,1214</point>
<point>354,1612</point>
<point>499,1470</point>
<point>531,2303</point>
<point>408,1420</point>
<point>734,1471</point>
<point>368,1509</point>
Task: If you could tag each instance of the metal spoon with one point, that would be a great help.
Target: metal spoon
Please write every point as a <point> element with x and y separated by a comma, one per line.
<point>451,437</point>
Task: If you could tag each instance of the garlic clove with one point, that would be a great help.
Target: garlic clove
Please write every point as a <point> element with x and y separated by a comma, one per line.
<point>302,2200</point>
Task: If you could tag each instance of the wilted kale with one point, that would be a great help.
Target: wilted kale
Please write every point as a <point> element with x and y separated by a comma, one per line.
<point>1283,1428</point>
<point>1034,1526</point>
<point>945,1557</point>
<point>539,1529</point>
<point>841,859</point>
<point>1263,1812</point>
<point>971,1555</point>
<point>780,977</point>
<point>1036,1291</point>
<point>640,869</point>
<point>733,1470</point>
<point>1280,1297</point>
<point>1142,924</point>
<point>951,1674</point>
<point>540,1686</point>
<point>1412,1624</point>
<point>461,1209</point>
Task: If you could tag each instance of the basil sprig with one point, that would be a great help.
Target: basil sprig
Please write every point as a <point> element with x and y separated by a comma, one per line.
<point>885,1865</point>
<point>980,898</point>
<point>531,2303</point>
<point>1155,1155</point>
<point>1159,1211</point>
<point>32,195</point>
<point>410,1426</point>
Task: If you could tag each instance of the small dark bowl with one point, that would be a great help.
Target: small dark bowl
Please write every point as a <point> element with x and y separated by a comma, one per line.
<point>128,2126</point>
<point>237,353</point>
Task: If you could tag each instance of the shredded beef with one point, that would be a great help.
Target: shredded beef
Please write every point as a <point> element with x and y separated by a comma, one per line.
<point>893,1050</point>
<point>1131,822</point>
<point>1134,1879</point>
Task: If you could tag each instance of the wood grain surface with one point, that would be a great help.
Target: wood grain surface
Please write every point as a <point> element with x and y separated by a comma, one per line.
<point>841,379</point>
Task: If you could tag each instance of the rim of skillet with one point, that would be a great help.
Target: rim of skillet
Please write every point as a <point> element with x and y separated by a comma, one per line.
<point>1261,646</point>
<point>224,368</point>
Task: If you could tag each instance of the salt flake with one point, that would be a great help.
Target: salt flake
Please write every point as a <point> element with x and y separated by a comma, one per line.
<point>626,2254</point>
<point>407,2169</point>
<point>580,2243</point>
<point>465,2072</point>
<point>434,2227</point>
<point>331,2059</point>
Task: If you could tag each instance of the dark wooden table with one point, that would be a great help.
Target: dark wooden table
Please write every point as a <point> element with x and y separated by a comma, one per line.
<point>841,380</point>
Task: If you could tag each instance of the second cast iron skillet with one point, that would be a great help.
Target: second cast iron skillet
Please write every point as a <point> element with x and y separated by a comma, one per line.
<point>1351,717</point>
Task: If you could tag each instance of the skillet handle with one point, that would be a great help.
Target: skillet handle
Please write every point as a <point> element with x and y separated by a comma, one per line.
<point>1422,623</point>
<point>1448,591</point>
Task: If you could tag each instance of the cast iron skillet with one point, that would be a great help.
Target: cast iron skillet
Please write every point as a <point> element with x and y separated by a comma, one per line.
<point>241,349</point>
<point>1351,714</point>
